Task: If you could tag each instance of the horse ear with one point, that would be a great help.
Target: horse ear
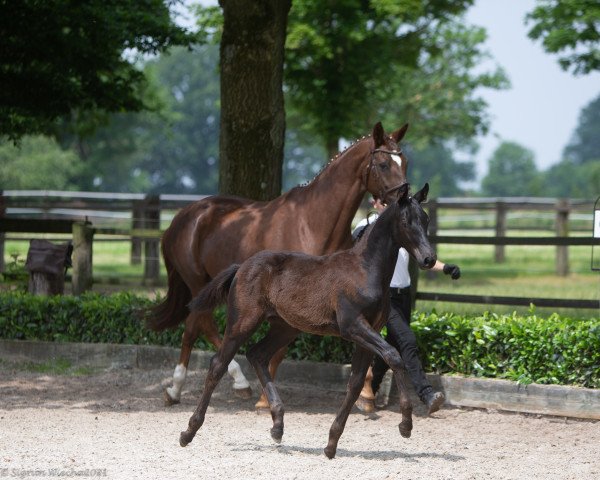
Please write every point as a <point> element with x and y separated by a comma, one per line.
<point>403,192</point>
<point>421,195</point>
<point>399,134</point>
<point>378,135</point>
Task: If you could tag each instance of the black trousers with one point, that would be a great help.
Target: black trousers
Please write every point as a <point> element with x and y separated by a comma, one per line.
<point>401,336</point>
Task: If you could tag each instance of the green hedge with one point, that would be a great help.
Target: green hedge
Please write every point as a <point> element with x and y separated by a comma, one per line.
<point>552,350</point>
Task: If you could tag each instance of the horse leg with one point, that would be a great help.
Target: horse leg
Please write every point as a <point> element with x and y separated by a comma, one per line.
<point>232,342</point>
<point>190,335</point>
<point>279,336</point>
<point>276,360</point>
<point>360,363</point>
<point>366,399</point>
<point>195,324</point>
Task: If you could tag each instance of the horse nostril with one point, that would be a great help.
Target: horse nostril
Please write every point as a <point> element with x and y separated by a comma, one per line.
<point>429,261</point>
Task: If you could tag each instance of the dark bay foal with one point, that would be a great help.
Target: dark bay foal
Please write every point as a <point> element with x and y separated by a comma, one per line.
<point>343,294</point>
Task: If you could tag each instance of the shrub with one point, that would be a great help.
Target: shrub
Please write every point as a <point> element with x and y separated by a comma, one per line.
<point>553,350</point>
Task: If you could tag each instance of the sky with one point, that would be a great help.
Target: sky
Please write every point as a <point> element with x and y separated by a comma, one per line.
<point>541,109</point>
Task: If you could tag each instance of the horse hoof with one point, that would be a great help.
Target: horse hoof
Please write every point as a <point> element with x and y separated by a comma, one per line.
<point>244,393</point>
<point>185,438</point>
<point>404,430</point>
<point>277,434</point>
<point>365,405</point>
<point>329,452</point>
<point>169,401</point>
<point>261,405</point>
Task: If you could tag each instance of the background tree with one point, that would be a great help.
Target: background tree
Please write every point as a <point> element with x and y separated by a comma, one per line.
<point>571,29</point>
<point>511,172</point>
<point>38,162</point>
<point>584,146</point>
<point>65,58</point>
<point>347,61</point>
<point>252,112</point>
<point>577,175</point>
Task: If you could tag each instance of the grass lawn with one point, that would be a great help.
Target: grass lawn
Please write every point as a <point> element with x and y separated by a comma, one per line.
<point>528,271</point>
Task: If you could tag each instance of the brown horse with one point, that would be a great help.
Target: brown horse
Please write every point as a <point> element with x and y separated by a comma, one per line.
<point>210,235</point>
<point>344,294</point>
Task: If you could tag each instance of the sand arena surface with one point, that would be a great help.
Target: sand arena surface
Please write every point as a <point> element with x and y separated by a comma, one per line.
<point>113,424</point>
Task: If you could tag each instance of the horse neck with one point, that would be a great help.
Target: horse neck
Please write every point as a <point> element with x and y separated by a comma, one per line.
<point>335,196</point>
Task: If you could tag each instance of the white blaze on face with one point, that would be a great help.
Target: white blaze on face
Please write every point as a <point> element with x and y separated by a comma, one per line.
<point>396,158</point>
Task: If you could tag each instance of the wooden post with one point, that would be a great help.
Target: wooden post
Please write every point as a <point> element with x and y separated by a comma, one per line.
<point>562,230</point>
<point>432,231</point>
<point>83,238</point>
<point>137,222</point>
<point>152,245</point>
<point>500,230</point>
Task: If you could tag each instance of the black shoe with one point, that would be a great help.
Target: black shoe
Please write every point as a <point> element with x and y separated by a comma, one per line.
<point>433,400</point>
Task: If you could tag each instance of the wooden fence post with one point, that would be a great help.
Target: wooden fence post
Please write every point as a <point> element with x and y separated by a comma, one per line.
<point>83,238</point>
<point>137,222</point>
<point>152,245</point>
<point>562,230</point>
<point>500,230</point>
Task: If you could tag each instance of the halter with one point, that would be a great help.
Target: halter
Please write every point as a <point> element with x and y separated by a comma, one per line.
<point>382,193</point>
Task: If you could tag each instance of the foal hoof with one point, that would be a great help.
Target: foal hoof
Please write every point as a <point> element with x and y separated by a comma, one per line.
<point>405,430</point>
<point>244,393</point>
<point>169,401</point>
<point>329,452</point>
<point>185,438</point>
<point>277,434</point>
<point>365,405</point>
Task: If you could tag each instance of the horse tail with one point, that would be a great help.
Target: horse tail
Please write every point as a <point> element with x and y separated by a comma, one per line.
<point>215,293</point>
<point>173,309</point>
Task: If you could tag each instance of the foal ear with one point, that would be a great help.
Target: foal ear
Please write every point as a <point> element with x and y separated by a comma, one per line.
<point>403,192</point>
<point>421,195</point>
<point>378,135</point>
<point>399,134</point>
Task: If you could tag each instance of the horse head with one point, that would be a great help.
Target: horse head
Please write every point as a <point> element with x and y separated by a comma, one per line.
<point>410,226</point>
<point>386,169</point>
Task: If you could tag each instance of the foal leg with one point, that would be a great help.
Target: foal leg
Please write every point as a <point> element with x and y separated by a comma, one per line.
<point>360,363</point>
<point>218,366</point>
<point>279,336</point>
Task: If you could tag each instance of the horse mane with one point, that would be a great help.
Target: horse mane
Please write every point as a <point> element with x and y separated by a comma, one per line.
<point>332,160</point>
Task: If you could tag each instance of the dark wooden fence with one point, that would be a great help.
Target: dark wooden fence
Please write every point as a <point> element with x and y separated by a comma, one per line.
<point>137,217</point>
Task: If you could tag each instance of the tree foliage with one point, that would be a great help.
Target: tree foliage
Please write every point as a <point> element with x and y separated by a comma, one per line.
<point>350,62</point>
<point>512,172</point>
<point>37,163</point>
<point>64,58</point>
<point>584,146</point>
<point>571,29</point>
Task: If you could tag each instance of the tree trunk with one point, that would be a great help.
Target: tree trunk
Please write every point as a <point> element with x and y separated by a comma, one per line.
<point>252,110</point>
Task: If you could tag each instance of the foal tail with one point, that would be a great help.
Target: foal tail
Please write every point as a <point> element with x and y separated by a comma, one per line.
<point>215,293</point>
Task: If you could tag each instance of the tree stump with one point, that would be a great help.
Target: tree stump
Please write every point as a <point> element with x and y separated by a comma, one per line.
<point>47,264</point>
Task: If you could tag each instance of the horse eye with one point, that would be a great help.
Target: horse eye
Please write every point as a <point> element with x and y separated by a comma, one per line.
<point>383,166</point>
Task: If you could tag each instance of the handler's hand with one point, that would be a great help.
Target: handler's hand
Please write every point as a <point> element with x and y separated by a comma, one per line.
<point>452,270</point>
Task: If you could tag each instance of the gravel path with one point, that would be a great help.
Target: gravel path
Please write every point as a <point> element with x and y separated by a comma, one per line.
<point>113,425</point>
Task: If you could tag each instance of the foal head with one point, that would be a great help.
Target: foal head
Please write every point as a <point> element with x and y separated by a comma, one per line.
<point>409,225</point>
<point>387,166</point>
